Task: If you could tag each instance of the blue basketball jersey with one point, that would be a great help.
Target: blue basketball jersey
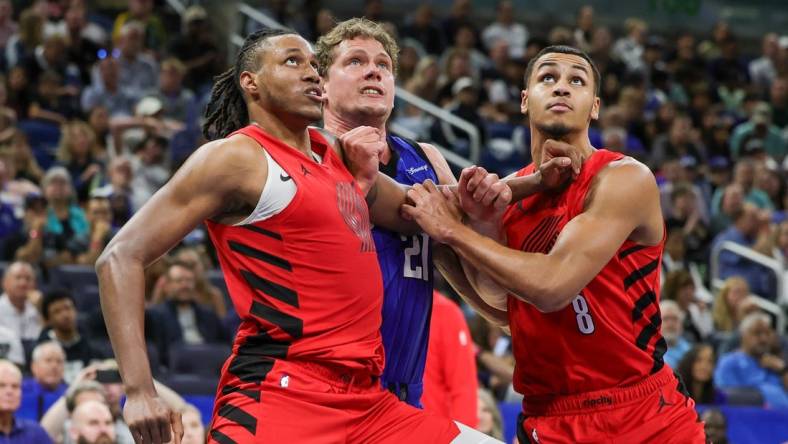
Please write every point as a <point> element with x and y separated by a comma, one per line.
<point>406,265</point>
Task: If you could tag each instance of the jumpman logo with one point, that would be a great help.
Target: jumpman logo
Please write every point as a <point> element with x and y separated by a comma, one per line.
<point>304,170</point>
<point>284,178</point>
<point>663,403</point>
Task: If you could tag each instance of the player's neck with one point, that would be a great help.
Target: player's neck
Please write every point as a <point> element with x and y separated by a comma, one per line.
<point>292,132</point>
<point>338,124</point>
<point>579,140</point>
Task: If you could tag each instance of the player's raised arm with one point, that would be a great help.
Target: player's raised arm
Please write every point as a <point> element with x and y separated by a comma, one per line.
<point>216,181</point>
<point>550,281</point>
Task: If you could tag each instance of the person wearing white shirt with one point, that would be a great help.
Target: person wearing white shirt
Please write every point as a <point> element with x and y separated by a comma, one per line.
<point>504,28</point>
<point>17,312</point>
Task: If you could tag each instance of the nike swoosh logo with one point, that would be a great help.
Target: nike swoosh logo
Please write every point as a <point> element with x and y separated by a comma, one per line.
<point>285,178</point>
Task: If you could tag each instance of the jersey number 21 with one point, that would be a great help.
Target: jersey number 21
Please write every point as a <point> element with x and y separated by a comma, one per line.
<point>417,257</point>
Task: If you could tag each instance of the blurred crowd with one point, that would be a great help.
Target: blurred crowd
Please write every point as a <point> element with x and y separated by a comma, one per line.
<point>100,103</point>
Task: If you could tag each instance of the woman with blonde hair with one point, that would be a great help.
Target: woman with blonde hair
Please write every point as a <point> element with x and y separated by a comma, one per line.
<point>25,163</point>
<point>680,287</point>
<point>490,421</point>
<point>726,305</point>
<point>79,152</point>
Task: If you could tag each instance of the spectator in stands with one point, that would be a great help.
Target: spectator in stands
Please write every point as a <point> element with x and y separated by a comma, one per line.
<point>100,231</point>
<point>17,311</point>
<point>105,91</point>
<point>58,308</point>
<point>193,428</point>
<point>52,102</point>
<point>677,143</point>
<point>424,82</point>
<point>29,35</point>
<point>183,320</point>
<point>47,384</point>
<point>98,119</point>
<point>679,287</point>
<point>763,70</point>
<point>8,26</point>
<point>51,55</point>
<point>92,423</point>
<point>450,384</point>
<point>629,49</point>
<point>178,103</point>
<point>27,242</point>
<point>673,332</point>
<point>196,48</point>
<point>81,155</point>
<point>716,426</point>
<point>505,28</point>
<point>754,365</point>
<point>138,72</point>
<point>760,127</point>
<point>152,32</point>
<point>13,191</point>
<point>15,430</point>
<point>65,219</point>
<point>584,28</point>
<point>81,49</point>
<point>207,293</point>
<point>686,216</point>
<point>19,94</point>
<point>457,65</point>
<point>422,29</point>
<point>489,417</point>
<point>494,359</point>
<point>11,348</point>
<point>726,305</point>
<point>118,190</point>
<point>465,41</point>
<point>778,99</point>
<point>731,202</point>
<point>744,176</point>
<point>745,231</point>
<point>150,169</point>
<point>464,105</point>
<point>26,166</point>
<point>696,369</point>
<point>460,14</point>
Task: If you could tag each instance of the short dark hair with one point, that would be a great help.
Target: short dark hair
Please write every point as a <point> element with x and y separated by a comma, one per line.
<point>563,49</point>
<point>53,296</point>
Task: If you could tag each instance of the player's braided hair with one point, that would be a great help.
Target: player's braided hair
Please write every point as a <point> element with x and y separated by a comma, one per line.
<point>226,111</point>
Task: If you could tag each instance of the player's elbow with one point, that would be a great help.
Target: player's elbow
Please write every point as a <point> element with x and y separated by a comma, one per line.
<point>111,258</point>
<point>552,296</point>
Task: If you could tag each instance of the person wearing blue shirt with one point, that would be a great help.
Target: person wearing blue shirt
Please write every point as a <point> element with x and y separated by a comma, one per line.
<point>14,430</point>
<point>673,331</point>
<point>754,365</point>
<point>46,386</point>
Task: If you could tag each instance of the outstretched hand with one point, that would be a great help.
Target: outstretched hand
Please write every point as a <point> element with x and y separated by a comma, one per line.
<point>435,210</point>
<point>482,195</point>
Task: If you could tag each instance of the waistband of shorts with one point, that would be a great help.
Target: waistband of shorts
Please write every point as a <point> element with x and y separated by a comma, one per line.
<point>344,378</point>
<point>599,399</point>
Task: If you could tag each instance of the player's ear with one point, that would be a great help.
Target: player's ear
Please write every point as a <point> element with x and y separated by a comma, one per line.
<point>595,108</point>
<point>524,101</point>
<point>248,82</point>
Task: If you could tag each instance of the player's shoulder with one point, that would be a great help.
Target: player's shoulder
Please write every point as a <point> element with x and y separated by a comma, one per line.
<point>623,180</point>
<point>626,170</point>
<point>238,149</point>
<point>439,163</point>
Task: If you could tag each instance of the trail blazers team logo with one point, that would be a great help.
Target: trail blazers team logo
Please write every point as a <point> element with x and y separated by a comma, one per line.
<point>543,237</point>
<point>356,215</point>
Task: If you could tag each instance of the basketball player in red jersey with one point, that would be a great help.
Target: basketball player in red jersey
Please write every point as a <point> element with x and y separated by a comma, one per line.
<point>292,233</point>
<point>579,278</point>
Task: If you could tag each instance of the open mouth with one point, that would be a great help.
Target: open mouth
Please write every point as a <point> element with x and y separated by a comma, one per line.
<point>373,91</point>
<point>314,93</point>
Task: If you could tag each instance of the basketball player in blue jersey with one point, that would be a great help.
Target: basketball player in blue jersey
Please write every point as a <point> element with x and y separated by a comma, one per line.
<point>357,62</point>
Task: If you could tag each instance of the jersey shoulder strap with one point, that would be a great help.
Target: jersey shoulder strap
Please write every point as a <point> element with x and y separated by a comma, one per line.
<point>416,147</point>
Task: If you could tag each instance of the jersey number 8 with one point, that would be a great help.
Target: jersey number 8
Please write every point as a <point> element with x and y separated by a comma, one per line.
<point>584,322</point>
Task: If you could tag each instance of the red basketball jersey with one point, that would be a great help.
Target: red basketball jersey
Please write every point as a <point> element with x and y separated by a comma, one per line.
<point>609,335</point>
<point>306,282</point>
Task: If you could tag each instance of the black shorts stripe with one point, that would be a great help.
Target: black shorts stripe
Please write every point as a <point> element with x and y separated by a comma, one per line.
<point>262,344</point>
<point>261,255</point>
<point>640,273</point>
<point>262,231</point>
<point>291,324</point>
<point>221,438</point>
<point>240,417</point>
<point>659,351</point>
<point>249,368</point>
<point>642,303</point>
<point>649,331</point>
<point>252,394</point>
<point>284,294</point>
<point>631,250</point>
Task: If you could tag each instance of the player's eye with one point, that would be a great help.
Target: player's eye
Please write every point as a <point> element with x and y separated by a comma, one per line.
<point>578,81</point>
<point>355,61</point>
<point>292,61</point>
<point>548,78</point>
<point>383,65</point>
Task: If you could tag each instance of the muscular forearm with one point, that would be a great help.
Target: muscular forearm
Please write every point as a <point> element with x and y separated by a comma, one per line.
<point>524,186</point>
<point>447,262</point>
<point>122,290</point>
<point>531,277</point>
<point>385,199</point>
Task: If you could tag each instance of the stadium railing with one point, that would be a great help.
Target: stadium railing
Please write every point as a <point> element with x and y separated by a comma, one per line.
<point>748,253</point>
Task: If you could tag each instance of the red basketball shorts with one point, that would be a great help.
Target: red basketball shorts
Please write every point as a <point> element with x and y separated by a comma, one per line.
<point>653,410</point>
<point>311,403</point>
